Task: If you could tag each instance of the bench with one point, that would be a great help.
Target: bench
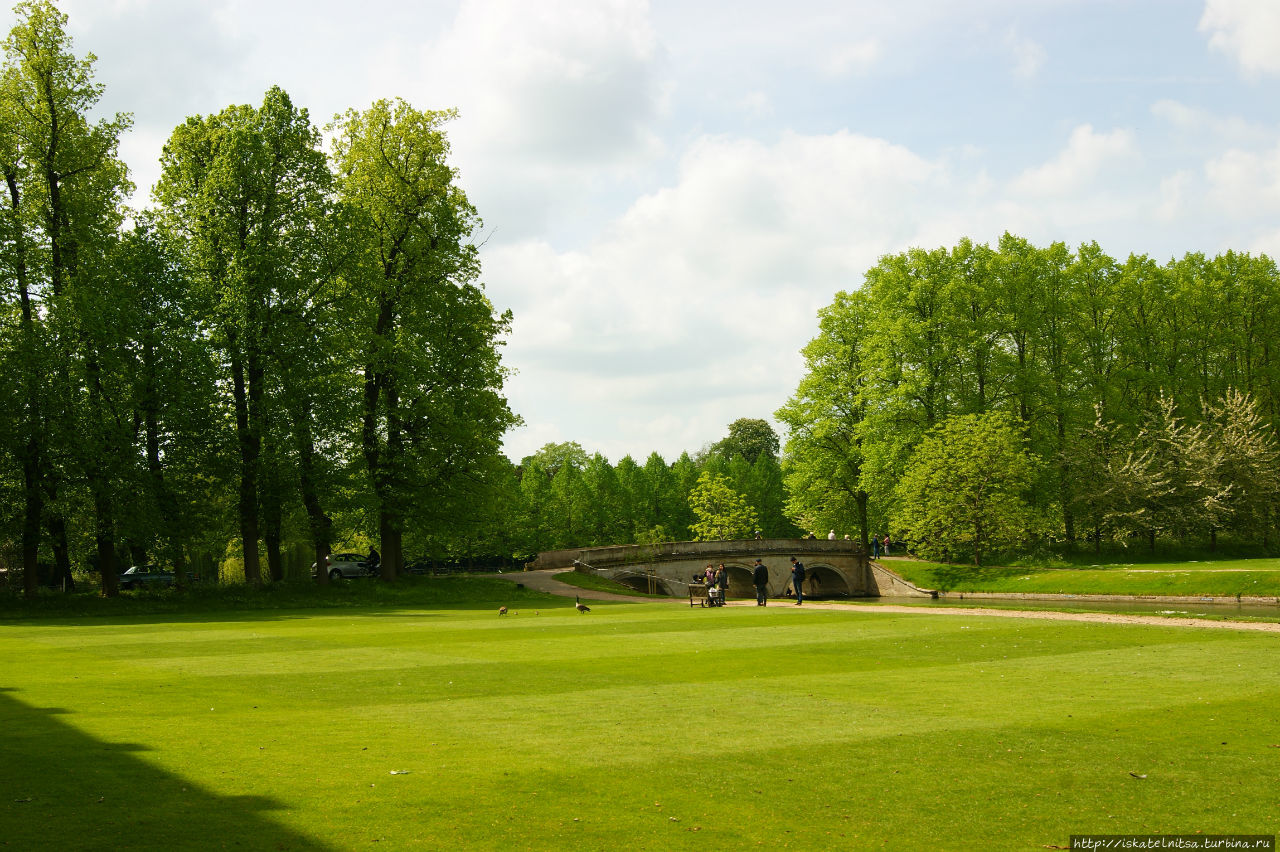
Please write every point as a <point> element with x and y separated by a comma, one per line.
<point>698,592</point>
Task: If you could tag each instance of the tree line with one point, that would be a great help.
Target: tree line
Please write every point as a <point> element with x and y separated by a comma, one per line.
<point>1141,397</point>
<point>290,344</point>
<point>562,497</point>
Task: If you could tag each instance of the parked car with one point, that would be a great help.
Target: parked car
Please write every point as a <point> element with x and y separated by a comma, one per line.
<point>347,566</point>
<point>418,566</point>
<point>141,576</point>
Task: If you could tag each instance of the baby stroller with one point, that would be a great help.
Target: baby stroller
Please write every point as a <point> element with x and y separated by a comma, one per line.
<point>715,596</point>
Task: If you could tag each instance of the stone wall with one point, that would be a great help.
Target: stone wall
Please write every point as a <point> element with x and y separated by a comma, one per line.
<point>835,568</point>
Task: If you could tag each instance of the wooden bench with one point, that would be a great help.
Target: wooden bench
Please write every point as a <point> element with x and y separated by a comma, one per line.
<point>698,592</point>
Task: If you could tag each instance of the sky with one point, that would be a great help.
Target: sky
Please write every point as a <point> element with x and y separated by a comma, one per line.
<point>671,190</point>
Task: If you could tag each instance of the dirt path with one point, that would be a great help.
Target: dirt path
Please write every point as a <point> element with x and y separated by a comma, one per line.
<point>545,581</point>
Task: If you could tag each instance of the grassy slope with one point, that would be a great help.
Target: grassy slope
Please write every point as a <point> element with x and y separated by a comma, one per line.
<point>632,727</point>
<point>1224,578</point>
<point>599,584</point>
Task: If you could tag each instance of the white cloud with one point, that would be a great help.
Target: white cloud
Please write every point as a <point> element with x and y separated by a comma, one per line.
<point>1087,155</point>
<point>1246,184</point>
<point>690,310</point>
<point>1200,122</point>
<point>566,82</point>
<point>854,58</point>
<point>1246,30</point>
<point>1173,195</point>
<point>559,101</point>
<point>1267,243</point>
<point>1028,55</point>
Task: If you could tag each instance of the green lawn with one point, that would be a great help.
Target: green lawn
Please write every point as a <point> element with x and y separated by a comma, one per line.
<point>637,726</point>
<point>1219,578</point>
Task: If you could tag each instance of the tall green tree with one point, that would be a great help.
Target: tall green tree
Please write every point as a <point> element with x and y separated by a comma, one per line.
<point>244,192</point>
<point>65,191</point>
<point>964,490</point>
<point>749,437</point>
<point>432,405</point>
<point>722,513</point>
<point>824,419</point>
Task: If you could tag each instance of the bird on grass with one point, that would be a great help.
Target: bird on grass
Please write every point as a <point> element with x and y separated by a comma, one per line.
<point>502,610</point>
<point>579,605</point>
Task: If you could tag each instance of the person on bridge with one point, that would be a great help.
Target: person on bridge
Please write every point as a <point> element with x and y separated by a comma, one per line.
<point>760,579</point>
<point>797,579</point>
<point>831,536</point>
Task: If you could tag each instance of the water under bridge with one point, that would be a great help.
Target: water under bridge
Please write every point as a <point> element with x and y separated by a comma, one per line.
<point>838,568</point>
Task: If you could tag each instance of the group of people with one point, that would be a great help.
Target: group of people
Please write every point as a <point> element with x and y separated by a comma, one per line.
<point>716,579</point>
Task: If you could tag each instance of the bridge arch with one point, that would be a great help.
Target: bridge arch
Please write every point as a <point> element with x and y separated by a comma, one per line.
<point>740,581</point>
<point>835,568</point>
<point>825,581</point>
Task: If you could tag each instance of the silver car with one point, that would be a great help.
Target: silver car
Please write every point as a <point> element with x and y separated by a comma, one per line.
<point>347,566</point>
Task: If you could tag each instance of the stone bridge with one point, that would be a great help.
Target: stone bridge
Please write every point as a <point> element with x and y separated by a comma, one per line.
<point>833,568</point>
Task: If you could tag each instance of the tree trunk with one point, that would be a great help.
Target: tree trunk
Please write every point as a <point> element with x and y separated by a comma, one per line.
<point>98,475</point>
<point>33,500</point>
<point>392,552</point>
<point>271,522</point>
<point>32,509</point>
<point>320,523</point>
<point>382,459</point>
<point>58,541</point>
<point>104,534</point>
<point>249,447</point>
<point>165,501</point>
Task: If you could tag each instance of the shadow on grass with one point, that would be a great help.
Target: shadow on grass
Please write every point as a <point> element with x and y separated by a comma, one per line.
<point>269,603</point>
<point>64,789</point>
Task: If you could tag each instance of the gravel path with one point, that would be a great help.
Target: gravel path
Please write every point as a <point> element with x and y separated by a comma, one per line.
<point>545,581</point>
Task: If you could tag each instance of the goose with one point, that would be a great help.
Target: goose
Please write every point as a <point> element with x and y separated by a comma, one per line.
<point>502,610</point>
<point>579,605</point>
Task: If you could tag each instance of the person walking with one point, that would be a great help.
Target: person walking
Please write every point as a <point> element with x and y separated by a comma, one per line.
<point>886,544</point>
<point>875,547</point>
<point>797,579</point>
<point>760,579</point>
<point>831,536</point>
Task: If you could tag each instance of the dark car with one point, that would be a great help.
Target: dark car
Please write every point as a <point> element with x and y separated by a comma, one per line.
<point>347,565</point>
<point>141,576</point>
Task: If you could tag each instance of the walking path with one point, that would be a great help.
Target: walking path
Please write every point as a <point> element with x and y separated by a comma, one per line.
<point>545,581</point>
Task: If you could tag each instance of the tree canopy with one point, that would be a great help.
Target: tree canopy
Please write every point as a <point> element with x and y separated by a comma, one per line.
<point>1103,365</point>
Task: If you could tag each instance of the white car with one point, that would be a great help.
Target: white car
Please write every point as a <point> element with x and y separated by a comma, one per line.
<point>347,566</point>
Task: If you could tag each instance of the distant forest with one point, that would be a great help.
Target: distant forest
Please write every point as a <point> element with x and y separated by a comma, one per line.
<point>1143,395</point>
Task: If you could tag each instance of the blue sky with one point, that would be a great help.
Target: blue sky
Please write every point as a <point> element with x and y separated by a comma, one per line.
<point>671,190</point>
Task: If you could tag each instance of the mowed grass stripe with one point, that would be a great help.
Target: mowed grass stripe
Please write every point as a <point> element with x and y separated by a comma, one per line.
<point>808,729</point>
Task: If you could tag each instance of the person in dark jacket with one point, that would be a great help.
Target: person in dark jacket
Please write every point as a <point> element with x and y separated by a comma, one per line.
<point>760,579</point>
<point>797,579</point>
